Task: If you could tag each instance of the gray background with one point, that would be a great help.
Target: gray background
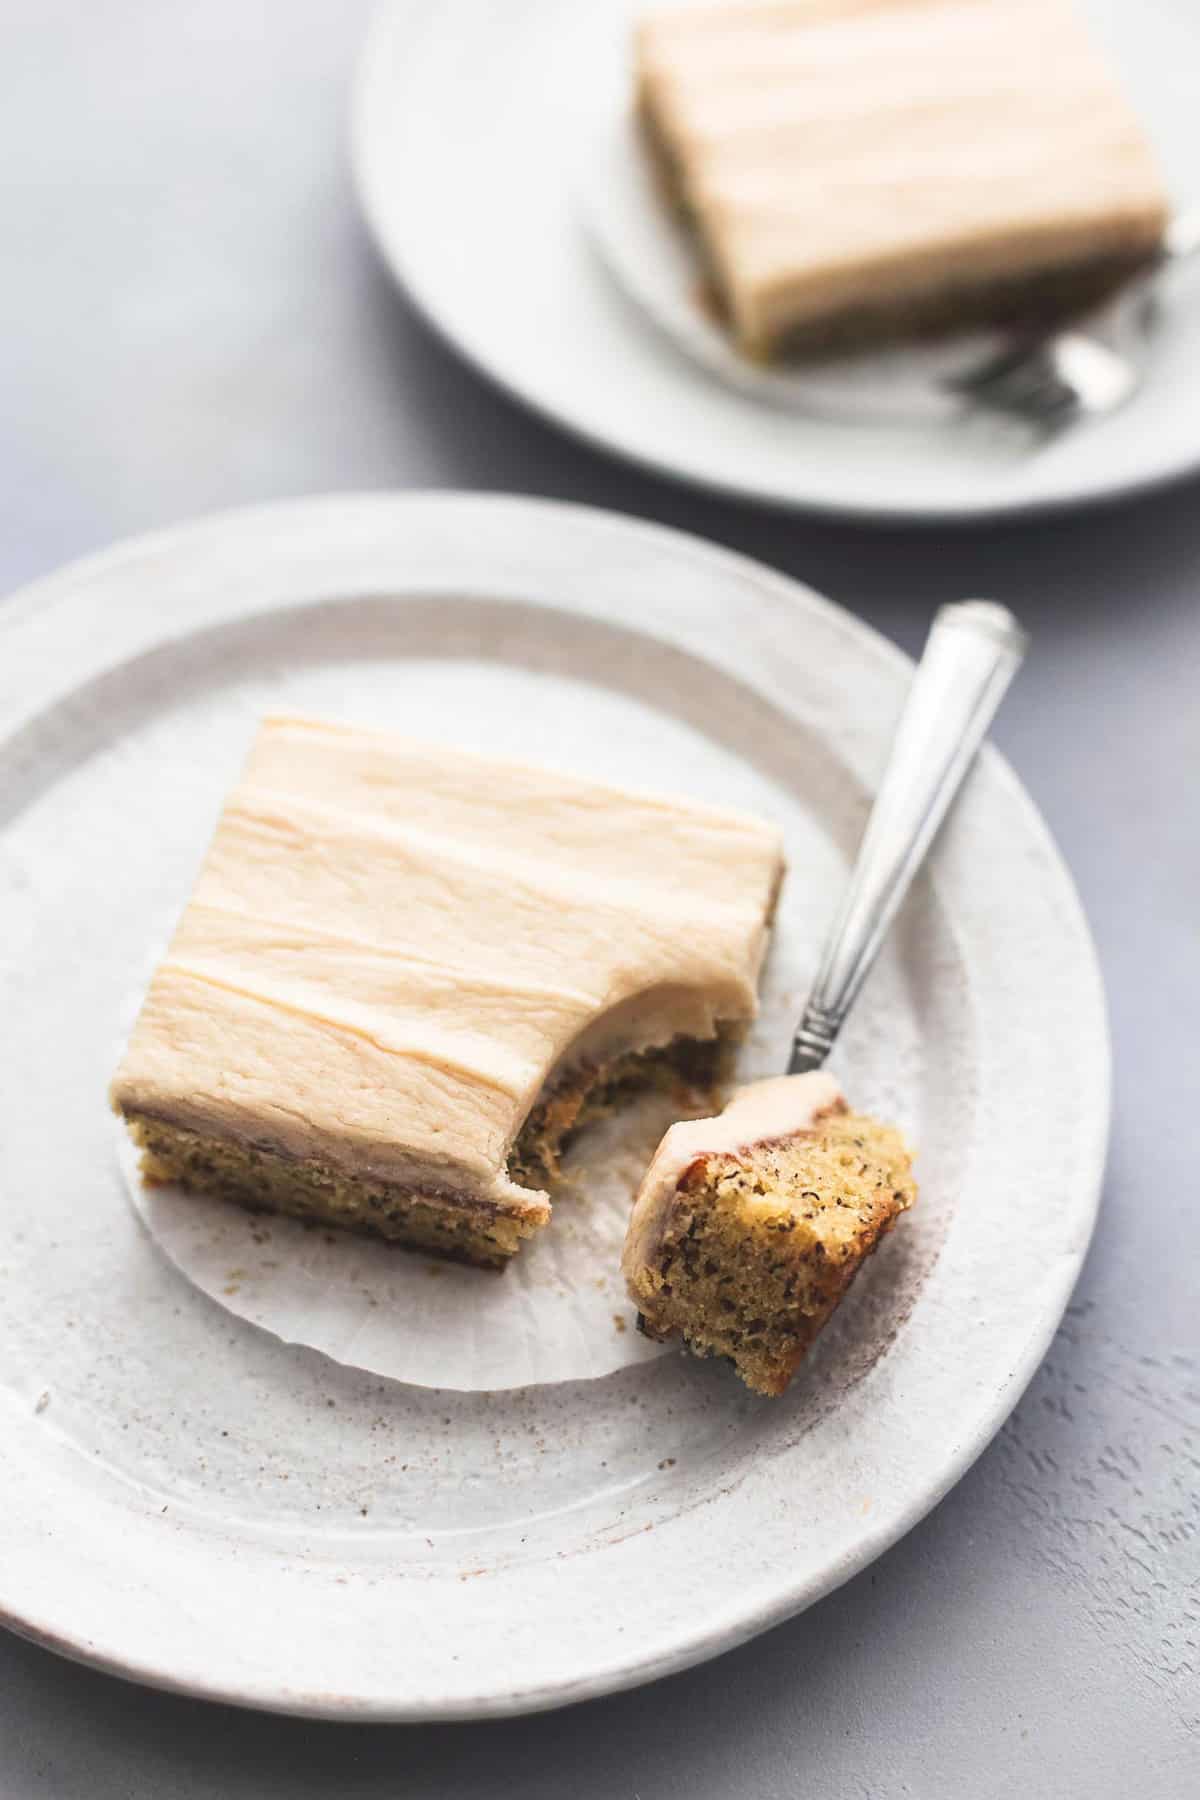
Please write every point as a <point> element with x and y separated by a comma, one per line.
<point>191,318</point>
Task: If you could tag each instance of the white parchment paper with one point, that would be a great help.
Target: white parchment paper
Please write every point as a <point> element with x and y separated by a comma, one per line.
<point>558,1312</point>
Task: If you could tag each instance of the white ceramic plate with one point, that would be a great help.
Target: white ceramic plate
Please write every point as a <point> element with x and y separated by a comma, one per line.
<point>192,1502</point>
<point>476,131</point>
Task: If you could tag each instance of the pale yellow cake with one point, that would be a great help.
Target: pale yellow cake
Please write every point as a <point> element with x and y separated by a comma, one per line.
<point>855,169</point>
<point>406,974</point>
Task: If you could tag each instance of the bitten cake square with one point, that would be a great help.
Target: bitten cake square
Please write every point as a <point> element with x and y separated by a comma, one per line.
<point>408,973</point>
<point>859,169</point>
<point>749,1227</point>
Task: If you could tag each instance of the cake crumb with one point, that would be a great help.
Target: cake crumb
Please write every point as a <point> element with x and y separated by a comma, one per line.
<point>42,1401</point>
<point>619,1321</point>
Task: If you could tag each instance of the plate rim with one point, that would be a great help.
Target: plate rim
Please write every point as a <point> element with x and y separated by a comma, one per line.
<point>366,180</point>
<point>710,1636</point>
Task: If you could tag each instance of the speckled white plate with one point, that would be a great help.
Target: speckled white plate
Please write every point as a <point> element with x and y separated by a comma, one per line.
<point>193,1502</point>
<point>482,135</point>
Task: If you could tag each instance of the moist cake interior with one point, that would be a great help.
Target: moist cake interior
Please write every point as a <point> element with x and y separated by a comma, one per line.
<point>758,1246</point>
<point>458,1226</point>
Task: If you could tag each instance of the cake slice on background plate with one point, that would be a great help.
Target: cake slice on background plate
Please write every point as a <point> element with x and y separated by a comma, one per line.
<point>857,170</point>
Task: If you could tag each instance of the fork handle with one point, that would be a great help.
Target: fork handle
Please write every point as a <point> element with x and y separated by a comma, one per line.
<point>973,651</point>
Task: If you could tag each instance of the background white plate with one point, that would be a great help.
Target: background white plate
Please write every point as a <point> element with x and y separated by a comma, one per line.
<point>471,121</point>
<point>192,1502</point>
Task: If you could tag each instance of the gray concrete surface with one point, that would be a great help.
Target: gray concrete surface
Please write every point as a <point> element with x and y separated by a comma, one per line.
<point>191,318</point>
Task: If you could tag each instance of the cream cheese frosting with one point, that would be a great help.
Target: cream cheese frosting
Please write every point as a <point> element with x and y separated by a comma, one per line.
<point>836,152</point>
<point>782,1106</point>
<point>391,947</point>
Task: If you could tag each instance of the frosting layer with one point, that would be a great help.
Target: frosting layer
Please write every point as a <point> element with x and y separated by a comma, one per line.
<point>390,948</point>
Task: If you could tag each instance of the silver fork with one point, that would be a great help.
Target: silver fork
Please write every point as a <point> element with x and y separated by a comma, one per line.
<point>1055,378</point>
<point>974,650</point>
